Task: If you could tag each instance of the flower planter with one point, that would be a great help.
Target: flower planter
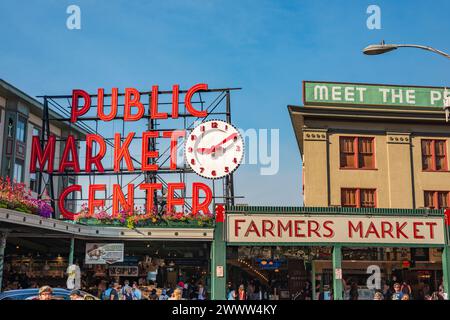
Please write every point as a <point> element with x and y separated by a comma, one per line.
<point>150,224</point>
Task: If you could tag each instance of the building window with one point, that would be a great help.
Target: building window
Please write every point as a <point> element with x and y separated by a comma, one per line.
<point>357,152</point>
<point>18,172</point>
<point>436,199</point>
<point>358,198</point>
<point>21,129</point>
<point>434,155</point>
<point>37,132</point>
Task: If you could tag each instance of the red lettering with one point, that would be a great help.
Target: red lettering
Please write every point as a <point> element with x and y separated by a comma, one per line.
<point>96,160</point>
<point>92,202</point>
<point>352,228</point>
<point>329,229</point>
<point>188,98</point>
<point>43,157</point>
<point>132,99</point>
<point>65,161</point>
<point>252,228</point>
<point>174,136</point>
<point>196,205</point>
<point>297,228</point>
<point>237,227</point>
<point>287,227</point>
<point>372,230</point>
<point>122,152</point>
<point>416,230</point>
<point>150,188</point>
<point>62,198</point>
<point>100,108</point>
<point>175,100</point>
<point>385,231</point>
<point>119,199</point>
<point>400,228</point>
<point>268,229</point>
<point>431,225</point>
<point>76,94</point>
<point>147,153</point>
<point>171,200</point>
<point>154,105</point>
<point>313,229</point>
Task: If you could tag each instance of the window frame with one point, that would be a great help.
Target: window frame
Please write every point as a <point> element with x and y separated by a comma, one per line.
<point>356,155</point>
<point>436,199</point>
<point>358,197</point>
<point>434,156</point>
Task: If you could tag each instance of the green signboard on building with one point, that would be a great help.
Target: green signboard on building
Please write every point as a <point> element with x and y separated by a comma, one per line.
<point>357,94</point>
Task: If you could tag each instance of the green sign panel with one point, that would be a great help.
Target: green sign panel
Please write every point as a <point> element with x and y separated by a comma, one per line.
<point>335,93</point>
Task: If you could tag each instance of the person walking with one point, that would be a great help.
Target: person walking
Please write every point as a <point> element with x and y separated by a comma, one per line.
<point>164,295</point>
<point>398,293</point>
<point>354,291</point>
<point>45,293</point>
<point>406,288</point>
<point>127,293</point>
<point>177,294</point>
<point>378,296</point>
<point>241,293</point>
<point>231,294</point>
<point>136,292</point>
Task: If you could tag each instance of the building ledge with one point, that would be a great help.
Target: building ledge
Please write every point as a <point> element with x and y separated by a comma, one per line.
<point>84,231</point>
<point>334,211</point>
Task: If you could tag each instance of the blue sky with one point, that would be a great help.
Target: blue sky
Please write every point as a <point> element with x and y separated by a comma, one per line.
<point>265,47</point>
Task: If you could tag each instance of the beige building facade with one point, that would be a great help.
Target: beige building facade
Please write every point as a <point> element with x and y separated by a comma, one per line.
<point>383,156</point>
<point>20,120</point>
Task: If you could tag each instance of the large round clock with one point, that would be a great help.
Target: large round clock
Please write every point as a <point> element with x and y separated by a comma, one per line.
<point>214,149</point>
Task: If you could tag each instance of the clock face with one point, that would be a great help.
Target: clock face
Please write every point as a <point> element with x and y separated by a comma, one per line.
<point>214,149</point>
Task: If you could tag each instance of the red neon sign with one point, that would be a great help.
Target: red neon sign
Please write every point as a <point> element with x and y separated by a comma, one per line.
<point>44,156</point>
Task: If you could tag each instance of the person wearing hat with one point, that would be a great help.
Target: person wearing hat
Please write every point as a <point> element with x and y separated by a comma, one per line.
<point>76,295</point>
<point>45,293</point>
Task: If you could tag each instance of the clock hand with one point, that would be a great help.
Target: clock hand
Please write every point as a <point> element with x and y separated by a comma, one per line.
<point>213,148</point>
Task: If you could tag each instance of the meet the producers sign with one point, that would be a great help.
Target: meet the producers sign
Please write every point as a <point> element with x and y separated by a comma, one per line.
<point>323,93</point>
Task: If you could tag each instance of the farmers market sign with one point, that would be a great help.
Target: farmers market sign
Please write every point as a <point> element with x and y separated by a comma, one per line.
<point>318,93</point>
<point>334,229</point>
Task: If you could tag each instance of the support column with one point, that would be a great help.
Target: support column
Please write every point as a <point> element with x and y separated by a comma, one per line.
<point>72,249</point>
<point>3,236</point>
<point>218,263</point>
<point>337,268</point>
<point>446,259</point>
<point>313,279</point>
<point>446,269</point>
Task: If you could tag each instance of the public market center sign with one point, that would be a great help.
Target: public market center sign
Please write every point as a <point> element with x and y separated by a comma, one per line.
<point>336,93</point>
<point>289,228</point>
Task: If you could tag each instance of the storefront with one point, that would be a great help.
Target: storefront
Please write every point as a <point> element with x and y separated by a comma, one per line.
<point>322,253</point>
<point>37,252</point>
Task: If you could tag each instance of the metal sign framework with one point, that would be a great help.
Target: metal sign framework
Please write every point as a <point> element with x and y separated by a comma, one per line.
<point>217,103</point>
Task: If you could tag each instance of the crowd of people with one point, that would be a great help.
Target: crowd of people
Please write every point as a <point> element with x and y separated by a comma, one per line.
<point>183,291</point>
<point>403,291</point>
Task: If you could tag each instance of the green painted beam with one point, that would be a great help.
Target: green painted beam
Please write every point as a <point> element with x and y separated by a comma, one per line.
<point>218,260</point>
<point>333,210</point>
<point>313,280</point>
<point>337,265</point>
<point>72,249</point>
<point>446,264</point>
<point>3,236</point>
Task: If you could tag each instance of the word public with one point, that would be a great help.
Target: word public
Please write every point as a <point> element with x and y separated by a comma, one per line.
<point>43,152</point>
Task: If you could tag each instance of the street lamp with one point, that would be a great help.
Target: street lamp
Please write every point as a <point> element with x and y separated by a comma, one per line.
<point>375,49</point>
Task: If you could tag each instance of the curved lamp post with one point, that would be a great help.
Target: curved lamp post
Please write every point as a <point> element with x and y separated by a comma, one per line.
<point>381,48</point>
<point>375,49</point>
